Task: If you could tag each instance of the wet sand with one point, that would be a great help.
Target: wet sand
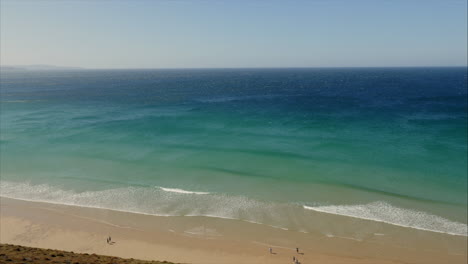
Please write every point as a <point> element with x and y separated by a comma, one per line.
<point>209,240</point>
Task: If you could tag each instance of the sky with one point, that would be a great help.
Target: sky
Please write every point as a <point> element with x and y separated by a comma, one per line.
<point>231,34</point>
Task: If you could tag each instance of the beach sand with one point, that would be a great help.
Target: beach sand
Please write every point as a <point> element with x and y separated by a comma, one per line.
<point>208,240</point>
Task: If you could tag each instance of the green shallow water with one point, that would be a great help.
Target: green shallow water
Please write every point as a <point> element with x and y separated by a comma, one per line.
<point>268,146</point>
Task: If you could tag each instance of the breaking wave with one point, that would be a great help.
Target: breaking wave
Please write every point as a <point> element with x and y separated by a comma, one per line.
<point>163,201</point>
<point>386,213</point>
<point>175,190</point>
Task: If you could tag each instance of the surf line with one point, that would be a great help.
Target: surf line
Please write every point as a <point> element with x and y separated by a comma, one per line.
<point>176,190</point>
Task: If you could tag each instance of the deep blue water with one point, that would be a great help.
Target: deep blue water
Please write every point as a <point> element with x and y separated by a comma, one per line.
<point>263,145</point>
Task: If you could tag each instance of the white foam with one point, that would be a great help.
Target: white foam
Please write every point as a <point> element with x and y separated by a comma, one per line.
<point>148,201</point>
<point>386,213</point>
<point>162,201</point>
<point>175,190</point>
<point>203,231</point>
<point>343,237</point>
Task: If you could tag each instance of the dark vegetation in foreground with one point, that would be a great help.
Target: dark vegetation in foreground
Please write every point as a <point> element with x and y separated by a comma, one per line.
<point>26,255</point>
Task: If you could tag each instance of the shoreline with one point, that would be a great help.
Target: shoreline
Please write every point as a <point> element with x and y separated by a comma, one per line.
<point>247,221</point>
<point>420,216</point>
<point>207,240</point>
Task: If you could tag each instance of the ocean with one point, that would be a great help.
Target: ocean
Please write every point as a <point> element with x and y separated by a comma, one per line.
<point>271,146</point>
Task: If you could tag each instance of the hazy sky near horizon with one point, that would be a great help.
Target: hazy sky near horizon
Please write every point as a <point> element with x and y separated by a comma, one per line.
<point>210,34</point>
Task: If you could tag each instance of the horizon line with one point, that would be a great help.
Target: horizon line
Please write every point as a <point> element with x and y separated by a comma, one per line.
<point>55,67</point>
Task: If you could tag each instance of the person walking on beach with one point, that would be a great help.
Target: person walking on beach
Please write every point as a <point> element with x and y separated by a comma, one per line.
<point>271,251</point>
<point>297,250</point>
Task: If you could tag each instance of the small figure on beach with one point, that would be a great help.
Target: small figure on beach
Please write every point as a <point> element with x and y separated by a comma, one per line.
<point>271,251</point>
<point>294,259</point>
<point>297,250</point>
<point>109,239</point>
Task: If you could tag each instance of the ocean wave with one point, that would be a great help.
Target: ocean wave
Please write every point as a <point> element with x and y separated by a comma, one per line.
<point>175,190</point>
<point>20,101</point>
<point>241,98</point>
<point>163,201</point>
<point>386,213</point>
<point>159,201</point>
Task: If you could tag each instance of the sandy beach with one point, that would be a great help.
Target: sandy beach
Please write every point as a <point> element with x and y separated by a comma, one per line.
<point>204,239</point>
<point>233,132</point>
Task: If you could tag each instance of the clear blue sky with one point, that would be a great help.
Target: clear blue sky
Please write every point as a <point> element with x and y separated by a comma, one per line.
<point>203,33</point>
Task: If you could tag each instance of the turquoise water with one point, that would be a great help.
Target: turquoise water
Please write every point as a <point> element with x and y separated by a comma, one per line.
<point>269,146</point>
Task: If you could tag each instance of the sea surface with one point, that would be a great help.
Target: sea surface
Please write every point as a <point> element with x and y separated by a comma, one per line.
<point>272,146</point>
